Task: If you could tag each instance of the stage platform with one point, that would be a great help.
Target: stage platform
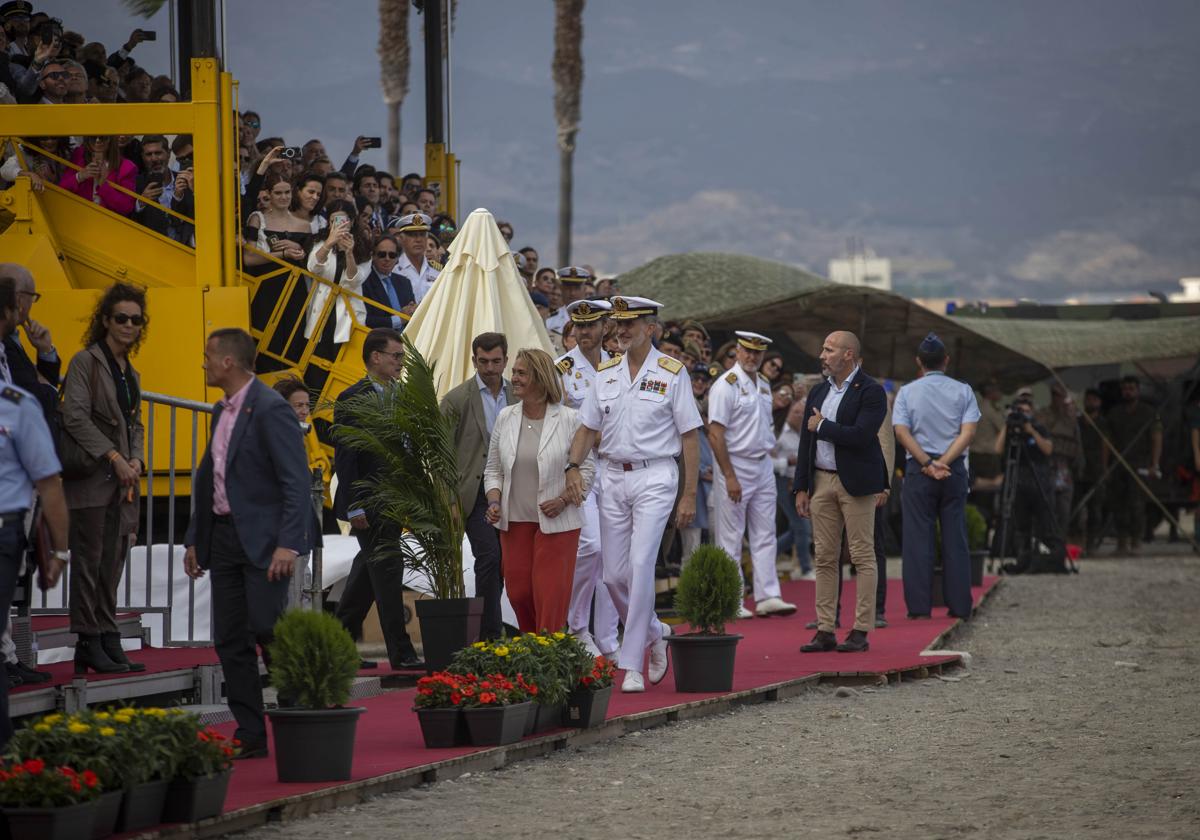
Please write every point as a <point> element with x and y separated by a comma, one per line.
<point>390,754</point>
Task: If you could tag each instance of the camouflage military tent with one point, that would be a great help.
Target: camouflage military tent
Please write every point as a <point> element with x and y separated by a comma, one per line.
<point>728,291</point>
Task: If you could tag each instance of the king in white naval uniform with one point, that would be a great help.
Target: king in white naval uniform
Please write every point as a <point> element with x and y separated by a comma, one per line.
<point>414,229</point>
<point>742,437</point>
<point>578,371</point>
<point>643,410</point>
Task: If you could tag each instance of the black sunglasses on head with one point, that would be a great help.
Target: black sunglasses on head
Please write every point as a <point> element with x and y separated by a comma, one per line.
<point>122,318</point>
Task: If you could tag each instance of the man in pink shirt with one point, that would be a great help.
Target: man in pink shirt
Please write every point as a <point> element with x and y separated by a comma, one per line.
<point>252,518</point>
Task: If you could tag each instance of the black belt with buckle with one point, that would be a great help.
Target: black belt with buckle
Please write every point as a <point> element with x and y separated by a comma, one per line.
<point>822,469</point>
<point>16,516</point>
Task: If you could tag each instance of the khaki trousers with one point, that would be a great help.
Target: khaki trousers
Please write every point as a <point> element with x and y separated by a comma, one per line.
<point>833,509</point>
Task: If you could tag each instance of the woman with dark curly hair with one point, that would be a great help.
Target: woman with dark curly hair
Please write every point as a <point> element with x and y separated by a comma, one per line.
<point>101,402</point>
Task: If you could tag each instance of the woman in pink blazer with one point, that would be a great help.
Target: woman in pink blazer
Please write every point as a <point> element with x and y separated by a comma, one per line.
<point>103,166</point>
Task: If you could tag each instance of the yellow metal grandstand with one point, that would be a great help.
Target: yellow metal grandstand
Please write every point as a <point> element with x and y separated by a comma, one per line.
<point>74,247</point>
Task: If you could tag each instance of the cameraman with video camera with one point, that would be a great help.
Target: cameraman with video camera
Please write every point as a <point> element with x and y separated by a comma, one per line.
<point>1026,447</point>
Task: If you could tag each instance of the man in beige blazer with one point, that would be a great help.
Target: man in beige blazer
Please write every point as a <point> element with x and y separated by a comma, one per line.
<point>477,403</point>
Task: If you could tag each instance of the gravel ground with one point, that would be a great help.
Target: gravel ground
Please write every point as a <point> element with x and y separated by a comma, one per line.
<point>1077,717</point>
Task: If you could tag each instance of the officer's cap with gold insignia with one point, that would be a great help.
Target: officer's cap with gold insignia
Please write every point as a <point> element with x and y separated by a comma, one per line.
<point>574,274</point>
<point>412,223</point>
<point>586,311</point>
<point>752,340</point>
<point>626,308</point>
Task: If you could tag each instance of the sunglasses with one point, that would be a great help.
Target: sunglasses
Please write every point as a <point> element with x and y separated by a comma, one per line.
<point>731,355</point>
<point>123,319</point>
<point>386,255</point>
<point>57,74</point>
<point>34,295</point>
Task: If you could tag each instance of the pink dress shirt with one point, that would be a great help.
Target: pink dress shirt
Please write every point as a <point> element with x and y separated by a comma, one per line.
<point>231,408</point>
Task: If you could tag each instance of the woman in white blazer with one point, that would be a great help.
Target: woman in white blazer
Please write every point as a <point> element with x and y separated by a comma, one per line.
<point>336,251</point>
<point>525,482</point>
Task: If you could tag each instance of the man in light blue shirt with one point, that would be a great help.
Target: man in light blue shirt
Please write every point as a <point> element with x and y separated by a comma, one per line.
<point>935,418</point>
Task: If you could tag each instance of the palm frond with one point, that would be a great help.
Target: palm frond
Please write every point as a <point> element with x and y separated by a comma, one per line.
<point>417,489</point>
<point>144,8</point>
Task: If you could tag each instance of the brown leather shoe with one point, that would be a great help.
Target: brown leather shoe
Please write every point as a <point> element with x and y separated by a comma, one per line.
<point>856,642</point>
<point>822,642</point>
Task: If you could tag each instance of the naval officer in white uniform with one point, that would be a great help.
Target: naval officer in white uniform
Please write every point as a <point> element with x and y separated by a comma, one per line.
<point>644,412</point>
<point>742,437</point>
<point>414,230</point>
<point>578,371</point>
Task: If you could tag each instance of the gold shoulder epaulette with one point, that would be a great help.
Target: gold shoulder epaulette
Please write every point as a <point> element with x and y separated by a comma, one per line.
<point>435,265</point>
<point>731,378</point>
<point>12,395</point>
<point>565,364</point>
<point>763,377</point>
<point>673,365</point>
<point>613,362</point>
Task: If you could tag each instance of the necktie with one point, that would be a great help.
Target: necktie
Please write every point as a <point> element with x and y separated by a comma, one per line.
<point>390,290</point>
<point>5,373</point>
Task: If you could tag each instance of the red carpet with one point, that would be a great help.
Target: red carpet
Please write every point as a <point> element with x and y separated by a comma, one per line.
<point>389,738</point>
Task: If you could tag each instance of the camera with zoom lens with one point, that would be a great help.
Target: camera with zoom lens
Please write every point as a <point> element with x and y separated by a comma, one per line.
<point>1016,418</point>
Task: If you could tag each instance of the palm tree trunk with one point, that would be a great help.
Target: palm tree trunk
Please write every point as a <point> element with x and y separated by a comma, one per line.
<point>566,183</point>
<point>567,67</point>
<point>394,139</point>
<point>393,67</point>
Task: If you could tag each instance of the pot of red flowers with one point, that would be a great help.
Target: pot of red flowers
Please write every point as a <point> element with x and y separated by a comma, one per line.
<point>439,708</point>
<point>203,765</point>
<point>587,703</point>
<point>47,803</point>
<point>496,708</point>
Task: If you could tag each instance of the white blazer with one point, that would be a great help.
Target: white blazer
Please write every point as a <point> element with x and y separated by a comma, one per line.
<point>344,303</point>
<point>558,430</point>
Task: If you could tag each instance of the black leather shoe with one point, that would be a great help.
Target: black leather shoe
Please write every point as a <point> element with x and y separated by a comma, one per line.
<point>822,642</point>
<point>812,625</point>
<point>27,675</point>
<point>856,642</point>
<point>258,750</point>
<point>364,664</point>
<point>89,653</point>
<point>913,617</point>
<point>880,622</point>
<point>409,663</point>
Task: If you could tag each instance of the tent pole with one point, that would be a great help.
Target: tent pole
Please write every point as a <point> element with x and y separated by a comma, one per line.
<point>862,321</point>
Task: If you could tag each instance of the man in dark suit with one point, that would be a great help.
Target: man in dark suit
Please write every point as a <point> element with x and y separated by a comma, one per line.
<point>386,286</point>
<point>840,478</point>
<point>372,579</point>
<point>253,517</point>
<point>476,403</point>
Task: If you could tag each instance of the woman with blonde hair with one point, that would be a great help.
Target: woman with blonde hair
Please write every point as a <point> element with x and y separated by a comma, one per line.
<point>525,484</point>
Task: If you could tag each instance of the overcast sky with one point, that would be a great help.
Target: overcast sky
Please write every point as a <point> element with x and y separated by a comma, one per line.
<point>1045,148</point>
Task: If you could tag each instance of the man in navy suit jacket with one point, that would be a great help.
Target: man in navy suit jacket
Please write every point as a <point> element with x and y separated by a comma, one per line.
<point>386,286</point>
<point>253,516</point>
<point>840,478</point>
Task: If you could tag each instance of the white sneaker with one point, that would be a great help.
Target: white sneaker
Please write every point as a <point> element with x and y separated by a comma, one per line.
<point>633,683</point>
<point>774,606</point>
<point>585,639</point>
<point>658,657</point>
<point>743,612</point>
<point>809,575</point>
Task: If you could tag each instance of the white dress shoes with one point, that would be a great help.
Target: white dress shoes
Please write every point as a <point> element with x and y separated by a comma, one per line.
<point>774,606</point>
<point>743,612</point>
<point>585,639</point>
<point>658,657</point>
<point>633,683</point>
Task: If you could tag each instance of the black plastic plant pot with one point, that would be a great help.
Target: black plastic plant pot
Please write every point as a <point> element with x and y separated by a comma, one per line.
<point>703,663</point>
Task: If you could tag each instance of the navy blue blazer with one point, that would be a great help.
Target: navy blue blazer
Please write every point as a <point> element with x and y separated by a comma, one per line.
<point>854,434</point>
<point>373,290</point>
<point>350,465</point>
<point>266,479</point>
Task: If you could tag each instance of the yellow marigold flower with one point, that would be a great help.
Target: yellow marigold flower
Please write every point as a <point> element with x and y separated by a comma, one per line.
<point>107,731</point>
<point>41,727</point>
<point>102,715</point>
<point>544,642</point>
<point>560,635</point>
<point>501,650</point>
<point>77,728</point>
<point>479,645</point>
<point>52,719</point>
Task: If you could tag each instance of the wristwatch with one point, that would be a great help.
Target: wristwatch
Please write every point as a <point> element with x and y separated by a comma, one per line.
<point>571,467</point>
<point>927,463</point>
<point>64,556</point>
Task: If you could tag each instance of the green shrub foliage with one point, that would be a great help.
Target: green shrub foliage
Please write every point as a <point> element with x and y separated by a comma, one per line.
<point>313,659</point>
<point>710,590</point>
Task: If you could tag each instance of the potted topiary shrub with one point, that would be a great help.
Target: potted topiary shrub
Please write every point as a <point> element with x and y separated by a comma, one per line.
<point>313,663</point>
<point>977,530</point>
<point>417,494</point>
<point>709,594</point>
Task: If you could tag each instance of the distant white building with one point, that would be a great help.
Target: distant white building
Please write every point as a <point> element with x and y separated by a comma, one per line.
<point>862,269</point>
<point>1190,293</point>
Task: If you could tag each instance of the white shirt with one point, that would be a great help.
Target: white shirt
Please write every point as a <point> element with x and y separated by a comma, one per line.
<point>786,446</point>
<point>557,320</point>
<point>580,378</point>
<point>641,418</point>
<point>829,409</point>
<point>422,279</point>
<point>742,404</point>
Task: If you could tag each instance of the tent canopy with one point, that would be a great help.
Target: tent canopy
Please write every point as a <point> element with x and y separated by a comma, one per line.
<point>730,291</point>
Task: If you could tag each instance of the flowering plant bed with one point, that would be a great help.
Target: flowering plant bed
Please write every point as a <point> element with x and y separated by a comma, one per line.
<point>33,783</point>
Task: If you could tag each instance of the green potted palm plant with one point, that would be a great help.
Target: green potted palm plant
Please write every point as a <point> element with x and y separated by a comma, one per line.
<point>416,493</point>
<point>977,530</point>
<point>313,663</point>
<point>709,593</point>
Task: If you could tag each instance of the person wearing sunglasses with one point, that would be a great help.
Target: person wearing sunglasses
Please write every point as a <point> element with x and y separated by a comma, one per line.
<point>413,263</point>
<point>102,449</point>
<point>385,286</point>
<point>53,83</point>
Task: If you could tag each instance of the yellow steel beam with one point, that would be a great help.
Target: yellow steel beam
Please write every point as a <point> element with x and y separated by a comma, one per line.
<point>230,186</point>
<point>206,154</point>
<point>78,120</point>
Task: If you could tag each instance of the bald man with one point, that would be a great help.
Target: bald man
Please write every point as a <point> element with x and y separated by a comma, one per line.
<point>840,478</point>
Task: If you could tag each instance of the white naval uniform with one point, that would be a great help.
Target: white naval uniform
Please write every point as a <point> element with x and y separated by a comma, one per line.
<point>421,279</point>
<point>640,421</point>
<point>557,320</point>
<point>742,404</point>
<point>577,381</point>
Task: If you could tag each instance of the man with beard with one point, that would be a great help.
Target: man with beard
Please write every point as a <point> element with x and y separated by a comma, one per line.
<point>740,432</point>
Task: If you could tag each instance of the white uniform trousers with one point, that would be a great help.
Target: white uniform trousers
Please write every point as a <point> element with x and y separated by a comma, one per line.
<point>634,509</point>
<point>587,588</point>
<point>755,511</point>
